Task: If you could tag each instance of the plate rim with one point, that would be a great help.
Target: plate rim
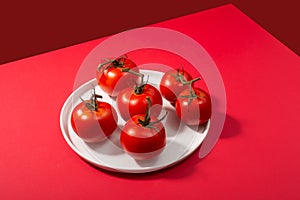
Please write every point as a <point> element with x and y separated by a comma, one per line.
<point>66,108</point>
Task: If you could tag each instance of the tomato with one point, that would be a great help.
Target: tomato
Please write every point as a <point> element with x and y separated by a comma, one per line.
<point>143,137</point>
<point>172,83</point>
<point>132,101</point>
<point>193,106</point>
<point>113,76</point>
<point>94,121</point>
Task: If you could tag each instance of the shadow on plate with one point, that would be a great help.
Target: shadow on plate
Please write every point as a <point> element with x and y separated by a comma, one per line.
<point>172,122</point>
<point>177,170</point>
<point>111,146</point>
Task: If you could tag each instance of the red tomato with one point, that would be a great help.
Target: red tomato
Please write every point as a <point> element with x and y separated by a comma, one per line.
<point>94,121</point>
<point>111,76</point>
<point>132,101</point>
<point>143,142</point>
<point>193,106</point>
<point>171,84</point>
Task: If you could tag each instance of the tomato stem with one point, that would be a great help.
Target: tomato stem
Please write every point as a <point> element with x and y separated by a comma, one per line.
<point>191,81</point>
<point>133,72</point>
<point>192,91</point>
<point>116,63</point>
<point>151,124</point>
<point>92,104</point>
<point>139,88</point>
<point>146,122</point>
<point>147,114</point>
<point>180,76</point>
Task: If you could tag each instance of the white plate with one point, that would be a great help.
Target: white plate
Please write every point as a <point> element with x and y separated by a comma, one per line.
<point>182,140</point>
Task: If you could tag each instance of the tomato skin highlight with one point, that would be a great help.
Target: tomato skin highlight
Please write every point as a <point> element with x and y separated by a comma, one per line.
<point>170,87</point>
<point>197,111</point>
<point>112,79</point>
<point>130,104</point>
<point>141,142</point>
<point>94,126</point>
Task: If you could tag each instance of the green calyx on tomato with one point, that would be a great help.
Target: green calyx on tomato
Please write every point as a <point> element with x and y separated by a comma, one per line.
<point>146,122</point>
<point>116,63</point>
<point>180,76</point>
<point>92,120</point>
<point>139,87</point>
<point>134,73</point>
<point>193,106</point>
<point>110,75</point>
<point>191,81</point>
<point>92,104</point>
<point>192,94</point>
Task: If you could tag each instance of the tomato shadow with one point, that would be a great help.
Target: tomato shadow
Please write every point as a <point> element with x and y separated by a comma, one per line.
<point>147,163</point>
<point>172,122</point>
<point>172,152</point>
<point>199,129</point>
<point>180,169</point>
<point>184,168</point>
<point>232,127</point>
<point>110,147</point>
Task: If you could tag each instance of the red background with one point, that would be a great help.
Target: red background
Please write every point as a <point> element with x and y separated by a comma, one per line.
<point>32,27</point>
<point>257,156</point>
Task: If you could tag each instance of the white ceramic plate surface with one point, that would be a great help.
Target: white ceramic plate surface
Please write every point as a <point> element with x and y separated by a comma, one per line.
<point>182,140</point>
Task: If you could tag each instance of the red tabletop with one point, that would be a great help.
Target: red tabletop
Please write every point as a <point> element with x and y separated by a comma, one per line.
<point>256,157</point>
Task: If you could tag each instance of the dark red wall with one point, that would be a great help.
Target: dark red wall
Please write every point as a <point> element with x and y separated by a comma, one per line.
<point>31,27</point>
